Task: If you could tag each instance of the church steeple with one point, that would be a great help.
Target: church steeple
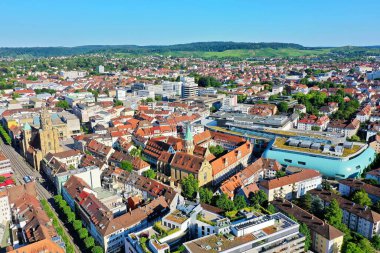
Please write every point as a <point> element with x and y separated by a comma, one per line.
<point>189,141</point>
<point>45,119</point>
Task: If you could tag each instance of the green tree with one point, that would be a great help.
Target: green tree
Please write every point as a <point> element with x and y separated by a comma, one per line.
<point>15,96</point>
<point>259,198</point>
<point>317,207</point>
<point>223,202</point>
<point>118,103</point>
<point>58,198</point>
<point>135,152</point>
<point>83,233</point>
<point>239,202</point>
<point>280,173</point>
<point>89,242</point>
<point>205,195</point>
<point>63,104</point>
<point>306,232</point>
<point>97,249</point>
<point>376,242</point>
<point>149,100</point>
<point>126,165</point>
<point>365,246</point>
<point>70,217</point>
<point>361,198</point>
<point>283,107</point>
<point>271,209</point>
<point>306,201</point>
<point>353,248</point>
<point>2,179</point>
<point>334,214</point>
<point>77,224</point>
<point>150,174</point>
<point>190,186</point>
<point>216,150</point>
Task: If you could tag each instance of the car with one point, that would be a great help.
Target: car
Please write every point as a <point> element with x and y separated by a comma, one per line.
<point>27,179</point>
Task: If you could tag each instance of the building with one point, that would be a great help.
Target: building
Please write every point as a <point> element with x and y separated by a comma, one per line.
<point>291,186</point>
<point>189,87</point>
<point>269,233</point>
<point>100,69</point>
<point>37,142</point>
<point>350,185</point>
<point>360,219</point>
<point>5,164</point>
<point>5,209</point>
<point>184,164</point>
<point>321,155</point>
<point>313,123</point>
<point>374,175</point>
<point>325,238</point>
<point>346,128</point>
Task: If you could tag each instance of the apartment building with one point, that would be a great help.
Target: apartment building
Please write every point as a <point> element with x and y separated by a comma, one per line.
<point>5,164</point>
<point>325,238</point>
<point>351,185</point>
<point>291,186</point>
<point>358,218</point>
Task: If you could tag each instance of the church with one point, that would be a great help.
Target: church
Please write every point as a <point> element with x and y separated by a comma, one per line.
<point>39,140</point>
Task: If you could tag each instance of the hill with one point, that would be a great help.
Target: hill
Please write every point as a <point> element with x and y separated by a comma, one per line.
<point>197,49</point>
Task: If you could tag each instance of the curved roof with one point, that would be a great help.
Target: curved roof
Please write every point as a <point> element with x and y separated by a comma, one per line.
<point>331,167</point>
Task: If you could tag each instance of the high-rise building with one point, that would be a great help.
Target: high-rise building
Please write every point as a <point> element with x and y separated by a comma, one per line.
<point>189,87</point>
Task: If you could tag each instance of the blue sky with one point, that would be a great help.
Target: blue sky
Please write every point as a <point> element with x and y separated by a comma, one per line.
<point>162,22</point>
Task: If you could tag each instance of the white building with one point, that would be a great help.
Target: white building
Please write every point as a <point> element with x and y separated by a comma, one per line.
<point>189,87</point>
<point>100,69</point>
<point>72,74</point>
<point>5,210</point>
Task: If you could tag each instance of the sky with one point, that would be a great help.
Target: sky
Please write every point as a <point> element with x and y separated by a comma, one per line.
<point>26,23</point>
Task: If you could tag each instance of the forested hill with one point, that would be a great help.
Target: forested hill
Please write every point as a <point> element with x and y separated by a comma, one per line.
<point>197,49</point>
<point>133,49</point>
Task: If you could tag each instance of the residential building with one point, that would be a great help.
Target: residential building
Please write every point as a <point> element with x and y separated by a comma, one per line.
<point>291,186</point>
<point>350,185</point>
<point>360,219</point>
<point>374,175</point>
<point>313,123</point>
<point>189,87</point>
<point>325,238</point>
<point>5,164</point>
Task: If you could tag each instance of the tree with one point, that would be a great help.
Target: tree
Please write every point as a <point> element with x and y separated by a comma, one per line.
<point>118,103</point>
<point>63,104</point>
<point>317,207</point>
<point>189,186</point>
<point>361,198</point>
<point>306,232</point>
<point>149,174</point>
<point>376,242</point>
<point>216,150</point>
<point>83,233</point>
<point>89,242</point>
<point>280,173</point>
<point>223,202</point>
<point>15,96</point>
<point>126,165</point>
<point>239,202</point>
<point>58,198</point>
<point>135,152</point>
<point>353,248</point>
<point>259,198</point>
<point>70,216</point>
<point>271,209</point>
<point>149,100</point>
<point>365,245</point>
<point>205,195</point>
<point>97,249</point>
<point>77,224</point>
<point>283,107</point>
<point>334,214</point>
<point>306,201</point>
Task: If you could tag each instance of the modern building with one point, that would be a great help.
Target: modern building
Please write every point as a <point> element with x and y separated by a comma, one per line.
<point>269,233</point>
<point>374,174</point>
<point>189,87</point>
<point>325,238</point>
<point>321,155</point>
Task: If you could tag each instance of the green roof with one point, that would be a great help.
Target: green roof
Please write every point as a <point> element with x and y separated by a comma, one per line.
<point>188,136</point>
<point>27,127</point>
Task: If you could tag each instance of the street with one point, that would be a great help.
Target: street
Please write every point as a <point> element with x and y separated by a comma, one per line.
<point>21,168</point>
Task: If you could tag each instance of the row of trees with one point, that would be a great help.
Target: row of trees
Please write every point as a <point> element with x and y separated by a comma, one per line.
<point>5,136</point>
<point>77,225</point>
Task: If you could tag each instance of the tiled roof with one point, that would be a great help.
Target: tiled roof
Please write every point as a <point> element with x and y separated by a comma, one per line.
<point>358,185</point>
<point>187,162</point>
<point>291,179</point>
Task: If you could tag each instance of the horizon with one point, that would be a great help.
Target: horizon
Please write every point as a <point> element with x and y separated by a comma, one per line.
<point>69,23</point>
<point>163,45</point>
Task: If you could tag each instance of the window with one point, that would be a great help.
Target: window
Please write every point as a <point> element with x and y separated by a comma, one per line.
<point>301,163</point>
<point>288,160</point>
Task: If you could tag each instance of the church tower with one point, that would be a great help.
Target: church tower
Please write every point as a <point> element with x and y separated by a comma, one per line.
<point>189,142</point>
<point>45,119</point>
<point>27,136</point>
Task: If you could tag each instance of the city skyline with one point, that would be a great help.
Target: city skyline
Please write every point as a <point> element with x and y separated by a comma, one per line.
<point>322,23</point>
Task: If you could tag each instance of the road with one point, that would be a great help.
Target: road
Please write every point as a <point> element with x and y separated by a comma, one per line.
<point>21,169</point>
